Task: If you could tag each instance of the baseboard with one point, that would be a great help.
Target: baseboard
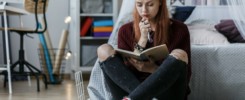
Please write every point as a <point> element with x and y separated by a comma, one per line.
<point>86,76</point>
<point>65,77</point>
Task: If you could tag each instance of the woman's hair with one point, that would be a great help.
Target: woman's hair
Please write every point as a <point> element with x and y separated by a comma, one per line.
<point>162,24</point>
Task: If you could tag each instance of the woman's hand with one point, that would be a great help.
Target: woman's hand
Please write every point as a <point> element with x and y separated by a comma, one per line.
<point>143,66</point>
<point>145,27</point>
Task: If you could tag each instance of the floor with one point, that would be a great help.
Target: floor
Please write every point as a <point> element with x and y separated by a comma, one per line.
<point>22,90</point>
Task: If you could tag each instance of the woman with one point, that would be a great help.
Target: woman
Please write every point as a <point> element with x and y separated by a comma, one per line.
<point>144,80</point>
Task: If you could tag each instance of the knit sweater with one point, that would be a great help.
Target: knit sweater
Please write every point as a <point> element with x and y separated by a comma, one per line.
<point>178,38</point>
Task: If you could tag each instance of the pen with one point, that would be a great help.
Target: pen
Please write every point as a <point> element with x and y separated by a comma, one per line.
<point>149,37</point>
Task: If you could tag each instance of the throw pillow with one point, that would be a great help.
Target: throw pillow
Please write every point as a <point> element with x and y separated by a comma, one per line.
<point>204,36</point>
<point>203,32</point>
<point>181,13</point>
<point>229,29</point>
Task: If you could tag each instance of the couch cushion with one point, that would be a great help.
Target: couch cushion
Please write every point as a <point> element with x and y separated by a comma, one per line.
<point>181,13</point>
<point>229,29</point>
<point>204,36</point>
<point>203,32</point>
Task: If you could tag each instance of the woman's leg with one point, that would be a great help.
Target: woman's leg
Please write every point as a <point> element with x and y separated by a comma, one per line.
<point>178,90</point>
<point>160,83</point>
<point>120,80</point>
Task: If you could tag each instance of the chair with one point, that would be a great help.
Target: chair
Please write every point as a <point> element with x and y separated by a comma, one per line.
<point>36,7</point>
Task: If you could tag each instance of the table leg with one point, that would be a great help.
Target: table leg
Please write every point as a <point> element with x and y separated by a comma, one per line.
<point>7,51</point>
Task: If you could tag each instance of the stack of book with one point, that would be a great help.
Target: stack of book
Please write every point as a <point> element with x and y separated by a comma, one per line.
<point>102,28</point>
<point>86,24</point>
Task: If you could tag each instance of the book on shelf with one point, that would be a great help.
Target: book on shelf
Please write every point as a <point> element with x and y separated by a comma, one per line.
<point>85,26</point>
<point>102,34</point>
<point>103,29</point>
<point>103,23</point>
<point>155,53</point>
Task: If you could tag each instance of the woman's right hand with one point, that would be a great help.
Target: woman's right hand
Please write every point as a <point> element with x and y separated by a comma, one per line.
<point>145,27</point>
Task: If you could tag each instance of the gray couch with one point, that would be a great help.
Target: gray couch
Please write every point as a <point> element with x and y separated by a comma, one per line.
<point>218,72</point>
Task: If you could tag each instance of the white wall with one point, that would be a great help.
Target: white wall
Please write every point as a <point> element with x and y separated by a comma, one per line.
<point>56,13</point>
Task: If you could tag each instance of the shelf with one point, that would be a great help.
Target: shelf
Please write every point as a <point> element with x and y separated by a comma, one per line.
<point>97,14</point>
<point>94,38</point>
<point>3,69</point>
<point>86,69</point>
<point>80,44</point>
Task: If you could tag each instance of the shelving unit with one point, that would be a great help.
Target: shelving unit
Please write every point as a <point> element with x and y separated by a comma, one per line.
<point>76,15</point>
<point>97,15</point>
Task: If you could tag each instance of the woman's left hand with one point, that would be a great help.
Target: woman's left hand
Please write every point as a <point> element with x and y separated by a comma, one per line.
<point>143,66</point>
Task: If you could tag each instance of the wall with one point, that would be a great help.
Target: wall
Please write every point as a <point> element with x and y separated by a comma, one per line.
<point>56,13</point>
<point>1,50</point>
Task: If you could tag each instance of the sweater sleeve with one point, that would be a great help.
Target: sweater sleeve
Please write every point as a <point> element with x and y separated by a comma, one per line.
<point>126,37</point>
<point>180,39</point>
<point>184,44</point>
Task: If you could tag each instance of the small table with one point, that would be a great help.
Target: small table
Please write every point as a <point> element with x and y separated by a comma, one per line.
<point>4,9</point>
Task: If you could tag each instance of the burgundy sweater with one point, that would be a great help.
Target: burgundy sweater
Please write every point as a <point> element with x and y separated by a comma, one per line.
<point>178,38</point>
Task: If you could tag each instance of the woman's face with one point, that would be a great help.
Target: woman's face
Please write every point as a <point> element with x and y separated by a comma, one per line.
<point>147,8</point>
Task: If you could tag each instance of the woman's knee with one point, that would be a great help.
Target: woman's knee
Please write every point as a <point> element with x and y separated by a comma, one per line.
<point>180,54</point>
<point>104,51</point>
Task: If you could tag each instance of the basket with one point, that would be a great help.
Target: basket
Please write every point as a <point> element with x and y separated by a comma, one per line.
<point>79,85</point>
<point>48,63</point>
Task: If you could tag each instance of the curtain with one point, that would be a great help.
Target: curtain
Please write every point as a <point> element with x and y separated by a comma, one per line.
<point>208,2</point>
<point>236,9</point>
<point>125,16</point>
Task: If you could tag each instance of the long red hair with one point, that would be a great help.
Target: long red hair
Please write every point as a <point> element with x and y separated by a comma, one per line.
<point>162,24</point>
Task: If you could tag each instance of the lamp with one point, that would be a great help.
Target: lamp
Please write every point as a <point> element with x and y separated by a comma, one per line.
<point>69,53</point>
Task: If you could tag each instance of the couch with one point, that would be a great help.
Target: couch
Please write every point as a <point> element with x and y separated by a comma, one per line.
<point>218,68</point>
